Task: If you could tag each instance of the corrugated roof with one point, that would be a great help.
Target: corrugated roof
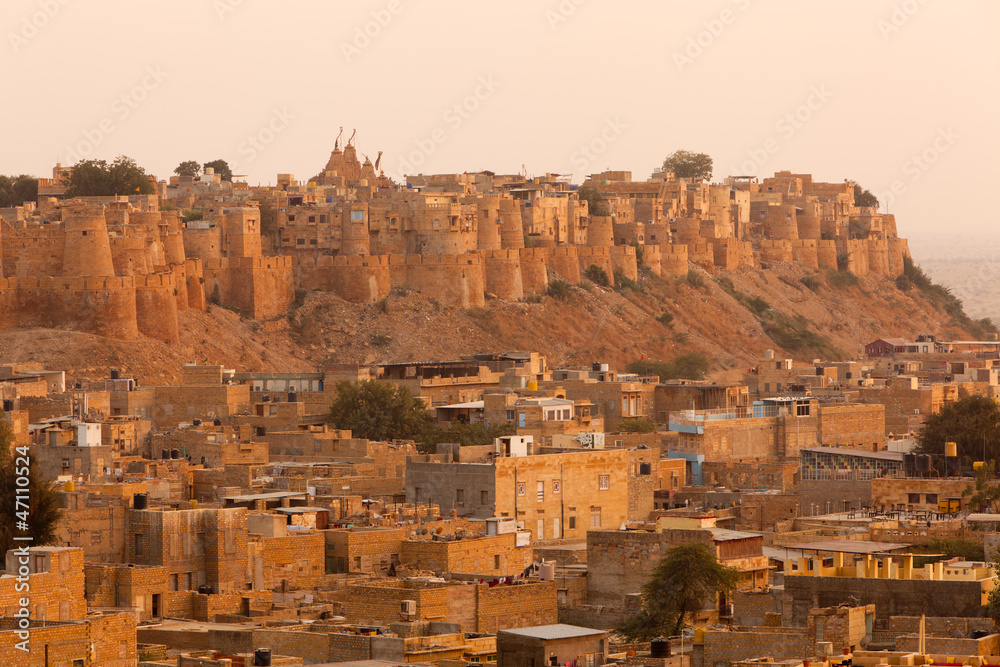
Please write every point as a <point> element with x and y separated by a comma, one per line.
<point>725,535</point>
<point>849,546</point>
<point>886,456</point>
<point>557,631</point>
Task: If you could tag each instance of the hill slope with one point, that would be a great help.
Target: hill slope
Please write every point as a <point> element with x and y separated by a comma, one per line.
<point>731,317</point>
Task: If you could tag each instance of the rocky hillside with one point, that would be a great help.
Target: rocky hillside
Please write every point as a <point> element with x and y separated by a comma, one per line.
<point>731,317</point>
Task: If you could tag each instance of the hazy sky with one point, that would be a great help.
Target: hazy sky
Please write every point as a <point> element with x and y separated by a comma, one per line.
<point>898,93</point>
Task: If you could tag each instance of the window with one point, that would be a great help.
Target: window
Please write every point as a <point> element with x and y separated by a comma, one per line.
<point>931,498</point>
<point>484,497</point>
<point>437,223</point>
<point>541,491</point>
<point>913,498</point>
<point>540,529</point>
<point>595,517</point>
<point>511,415</point>
<point>556,486</point>
<point>572,523</point>
<point>555,529</point>
<point>520,488</point>
<point>460,496</point>
<point>138,545</point>
<point>496,561</point>
<point>603,482</point>
<point>357,216</point>
<point>802,410</point>
<point>392,222</point>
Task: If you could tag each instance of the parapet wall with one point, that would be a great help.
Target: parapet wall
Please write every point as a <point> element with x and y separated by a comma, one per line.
<point>599,257</point>
<point>502,274</point>
<point>156,307</point>
<point>776,251</point>
<point>453,279</point>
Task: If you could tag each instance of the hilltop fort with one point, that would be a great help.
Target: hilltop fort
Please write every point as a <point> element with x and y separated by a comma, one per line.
<point>125,266</point>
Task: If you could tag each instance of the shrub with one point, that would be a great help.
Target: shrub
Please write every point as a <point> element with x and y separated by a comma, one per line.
<point>841,279</point>
<point>560,289</point>
<point>380,340</point>
<point>794,335</point>
<point>691,366</point>
<point>194,214</point>
<point>904,283</point>
<point>666,319</point>
<point>694,279</point>
<point>597,275</point>
<point>812,282</point>
<point>623,282</point>
<point>636,426</point>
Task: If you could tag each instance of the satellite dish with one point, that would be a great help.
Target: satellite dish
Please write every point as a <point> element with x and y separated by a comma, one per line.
<point>865,641</point>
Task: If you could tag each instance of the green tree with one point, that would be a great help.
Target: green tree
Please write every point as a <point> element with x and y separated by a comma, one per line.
<point>972,422</point>
<point>864,197</point>
<point>636,426</point>
<point>594,199</point>
<point>15,190</point>
<point>464,433</point>
<point>98,178</point>
<point>690,366</point>
<point>379,411</point>
<point>268,215</point>
<point>43,513</point>
<point>984,492</point>
<point>221,167</point>
<point>188,168</point>
<point>686,164</point>
<point>687,579</point>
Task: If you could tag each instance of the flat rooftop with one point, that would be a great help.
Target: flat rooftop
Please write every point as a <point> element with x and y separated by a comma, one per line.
<point>849,547</point>
<point>557,631</point>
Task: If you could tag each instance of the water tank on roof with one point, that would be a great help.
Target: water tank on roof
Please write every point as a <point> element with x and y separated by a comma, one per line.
<point>293,397</point>
<point>217,422</point>
<point>261,431</point>
<point>175,453</point>
<point>923,463</point>
<point>910,463</point>
<point>164,453</point>
<point>659,648</point>
<point>139,501</point>
<point>115,373</point>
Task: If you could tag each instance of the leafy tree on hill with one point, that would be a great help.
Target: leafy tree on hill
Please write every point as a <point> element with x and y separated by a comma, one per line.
<point>973,423</point>
<point>594,199</point>
<point>691,366</point>
<point>465,434</point>
<point>42,514</point>
<point>379,411</point>
<point>686,164</point>
<point>98,178</point>
<point>864,197</point>
<point>188,168</point>
<point>221,167</point>
<point>15,190</point>
<point>683,583</point>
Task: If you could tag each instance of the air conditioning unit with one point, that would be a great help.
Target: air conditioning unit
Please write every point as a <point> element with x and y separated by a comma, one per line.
<point>408,607</point>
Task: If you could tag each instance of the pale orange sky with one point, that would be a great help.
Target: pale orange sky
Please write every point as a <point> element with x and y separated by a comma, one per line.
<point>839,88</point>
